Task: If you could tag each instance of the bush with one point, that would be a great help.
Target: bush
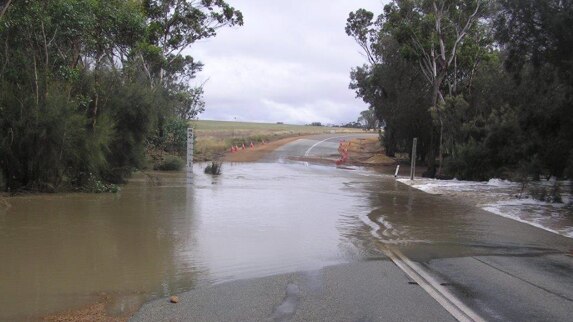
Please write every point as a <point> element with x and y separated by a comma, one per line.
<point>170,163</point>
<point>95,185</point>
<point>214,168</point>
<point>547,194</point>
<point>170,136</point>
<point>471,163</point>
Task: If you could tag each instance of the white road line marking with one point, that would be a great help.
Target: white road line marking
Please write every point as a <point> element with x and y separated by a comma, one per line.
<point>457,309</point>
<point>317,143</point>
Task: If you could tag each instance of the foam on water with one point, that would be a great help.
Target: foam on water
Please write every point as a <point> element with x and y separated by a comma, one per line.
<point>501,198</point>
<point>548,216</point>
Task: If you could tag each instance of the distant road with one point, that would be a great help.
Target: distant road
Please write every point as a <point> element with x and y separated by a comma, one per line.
<point>313,146</point>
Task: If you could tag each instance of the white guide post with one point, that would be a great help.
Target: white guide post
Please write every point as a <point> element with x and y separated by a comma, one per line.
<point>413,166</point>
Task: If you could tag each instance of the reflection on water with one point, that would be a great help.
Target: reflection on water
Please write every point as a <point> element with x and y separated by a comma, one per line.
<point>161,236</point>
<point>64,250</point>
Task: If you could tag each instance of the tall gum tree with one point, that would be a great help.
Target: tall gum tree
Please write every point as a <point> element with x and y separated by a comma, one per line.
<point>173,27</point>
<point>392,85</point>
<point>431,33</point>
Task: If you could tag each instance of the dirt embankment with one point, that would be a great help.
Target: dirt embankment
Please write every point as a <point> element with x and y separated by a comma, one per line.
<point>366,152</point>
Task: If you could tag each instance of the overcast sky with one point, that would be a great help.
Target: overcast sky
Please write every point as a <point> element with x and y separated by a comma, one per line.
<point>290,63</point>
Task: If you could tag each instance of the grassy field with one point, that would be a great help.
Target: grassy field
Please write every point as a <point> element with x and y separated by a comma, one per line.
<point>213,138</point>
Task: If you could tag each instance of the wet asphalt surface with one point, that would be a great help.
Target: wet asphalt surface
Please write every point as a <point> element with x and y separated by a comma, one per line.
<point>502,269</point>
<point>364,291</point>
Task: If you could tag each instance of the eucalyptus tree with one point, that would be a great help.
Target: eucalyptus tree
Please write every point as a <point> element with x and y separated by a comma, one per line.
<point>173,26</point>
<point>368,119</point>
<point>434,33</point>
<point>75,79</point>
<point>54,54</point>
<point>538,36</point>
<point>391,84</point>
<point>4,7</point>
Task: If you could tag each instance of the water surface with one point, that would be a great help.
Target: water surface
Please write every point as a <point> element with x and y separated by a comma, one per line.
<point>168,233</point>
<point>164,234</point>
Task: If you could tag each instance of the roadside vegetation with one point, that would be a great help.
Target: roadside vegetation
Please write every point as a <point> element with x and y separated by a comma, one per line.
<point>89,87</point>
<point>485,85</point>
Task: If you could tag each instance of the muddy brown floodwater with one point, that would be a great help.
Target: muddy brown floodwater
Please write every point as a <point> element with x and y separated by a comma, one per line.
<point>161,235</point>
<point>165,233</point>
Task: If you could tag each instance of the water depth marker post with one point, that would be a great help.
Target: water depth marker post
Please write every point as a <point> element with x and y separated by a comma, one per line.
<point>413,166</point>
<point>189,149</point>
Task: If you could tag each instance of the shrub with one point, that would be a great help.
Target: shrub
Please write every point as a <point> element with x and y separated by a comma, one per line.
<point>471,163</point>
<point>170,136</point>
<point>547,194</point>
<point>170,163</point>
<point>214,168</point>
<point>95,185</point>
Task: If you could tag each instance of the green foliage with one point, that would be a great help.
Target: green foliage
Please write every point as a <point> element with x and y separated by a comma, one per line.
<point>435,73</point>
<point>443,41</point>
<point>171,136</point>
<point>133,111</point>
<point>452,113</point>
<point>174,25</point>
<point>171,163</point>
<point>95,185</point>
<point>395,90</point>
<point>85,84</point>
<point>471,163</point>
<point>368,119</point>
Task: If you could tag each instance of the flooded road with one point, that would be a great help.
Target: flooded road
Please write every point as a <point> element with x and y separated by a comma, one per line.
<point>164,234</point>
<point>160,235</point>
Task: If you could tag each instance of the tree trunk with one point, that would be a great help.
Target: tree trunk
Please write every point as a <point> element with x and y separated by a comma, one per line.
<point>4,8</point>
<point>440,153</point>
<point>92,112</point>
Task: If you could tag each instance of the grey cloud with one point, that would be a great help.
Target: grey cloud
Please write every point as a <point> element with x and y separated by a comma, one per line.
<point>289,63</point>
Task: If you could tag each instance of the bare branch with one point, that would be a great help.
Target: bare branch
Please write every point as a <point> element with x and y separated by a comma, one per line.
<point>463,32</point>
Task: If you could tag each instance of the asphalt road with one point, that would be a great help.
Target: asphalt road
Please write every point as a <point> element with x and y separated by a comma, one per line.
<point>506,271</point>
<point>325,145</point>
<point>365,291</point>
